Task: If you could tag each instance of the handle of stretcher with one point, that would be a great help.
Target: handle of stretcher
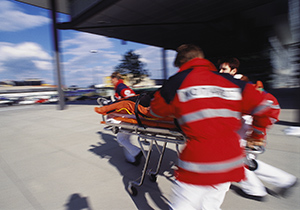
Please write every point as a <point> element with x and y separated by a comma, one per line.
<point>136,109</point>
<point>255,149</point>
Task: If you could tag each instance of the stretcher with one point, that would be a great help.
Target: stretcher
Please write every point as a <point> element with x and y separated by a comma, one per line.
<point>143,128</point>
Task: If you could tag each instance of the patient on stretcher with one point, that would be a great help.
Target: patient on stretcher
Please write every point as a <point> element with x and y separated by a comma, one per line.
<point>124,110</point>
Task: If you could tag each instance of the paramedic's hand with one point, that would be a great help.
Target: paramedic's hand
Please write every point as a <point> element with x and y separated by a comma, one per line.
<point>253,143</point>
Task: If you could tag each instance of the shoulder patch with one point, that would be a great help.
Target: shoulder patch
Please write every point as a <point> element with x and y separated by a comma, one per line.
<point>237,82</point>
<point>170,87</point>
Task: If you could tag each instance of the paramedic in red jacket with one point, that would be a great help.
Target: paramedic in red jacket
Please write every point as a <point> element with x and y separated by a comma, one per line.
<point>252,187</point>
<point>208,107</point>
<point>121,90</point>
<point>132,153</point>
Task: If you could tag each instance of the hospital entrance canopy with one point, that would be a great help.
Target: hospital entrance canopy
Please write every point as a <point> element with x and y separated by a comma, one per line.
<point>218,26</point>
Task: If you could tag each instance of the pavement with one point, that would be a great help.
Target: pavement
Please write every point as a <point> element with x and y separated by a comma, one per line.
<point>64,160</point>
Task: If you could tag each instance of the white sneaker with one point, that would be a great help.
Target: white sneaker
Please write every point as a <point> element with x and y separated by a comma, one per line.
<point>103,101</point>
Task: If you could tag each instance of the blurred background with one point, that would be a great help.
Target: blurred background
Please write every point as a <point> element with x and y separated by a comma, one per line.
<point>90,39</point>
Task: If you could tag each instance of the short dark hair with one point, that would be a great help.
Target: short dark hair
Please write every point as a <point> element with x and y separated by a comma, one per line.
<point>187,52</point>
<point>232,62</point>
<point>116,75</point>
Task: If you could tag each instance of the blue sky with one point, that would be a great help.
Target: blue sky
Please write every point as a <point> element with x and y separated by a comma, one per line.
<point>26,49</point>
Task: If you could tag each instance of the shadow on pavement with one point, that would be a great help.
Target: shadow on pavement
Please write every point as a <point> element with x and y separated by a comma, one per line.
<point>286,123</point>
<point>114,153</point>
<point>76,202</point>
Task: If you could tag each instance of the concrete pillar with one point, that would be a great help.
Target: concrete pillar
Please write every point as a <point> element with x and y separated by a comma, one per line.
<point>57,58</point>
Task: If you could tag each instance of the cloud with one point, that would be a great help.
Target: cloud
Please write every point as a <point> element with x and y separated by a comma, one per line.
<point>25,50</point>
<point>83,76</point>
<point>78,50</point>
<point>84,42</point>
<point>43,65</point>
<point>13,19</point>
<point>152,57</point>
<point>83,67</point>
<point>23,59</point>
<point>2,67</point>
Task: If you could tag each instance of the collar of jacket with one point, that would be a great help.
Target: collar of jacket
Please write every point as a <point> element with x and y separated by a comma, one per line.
<point>119,82</point>
<point>197,62</point>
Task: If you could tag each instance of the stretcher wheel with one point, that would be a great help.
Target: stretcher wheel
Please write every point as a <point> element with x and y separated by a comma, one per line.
<point>115,130</point>
<point>152,177</point>
<point>132,190</point>
<point>253,166</point>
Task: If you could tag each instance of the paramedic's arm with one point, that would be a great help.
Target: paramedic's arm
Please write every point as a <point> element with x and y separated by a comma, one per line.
<point>159,108</point>
<point>263,107</point>
<point>268,115</point>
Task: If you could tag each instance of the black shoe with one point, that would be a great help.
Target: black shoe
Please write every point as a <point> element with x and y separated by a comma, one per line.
<point>240,192</point>
<point>138,158</point>
<point>253,197</point>
<point>285,191</point>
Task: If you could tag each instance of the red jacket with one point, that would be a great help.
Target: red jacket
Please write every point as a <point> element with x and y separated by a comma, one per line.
<point>208,107</point>
<point>122,90</point>
<point>260,122</point>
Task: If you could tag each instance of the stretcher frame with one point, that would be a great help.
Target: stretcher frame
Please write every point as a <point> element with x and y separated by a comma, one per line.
<point>153,134</point>
<point>144,133</point>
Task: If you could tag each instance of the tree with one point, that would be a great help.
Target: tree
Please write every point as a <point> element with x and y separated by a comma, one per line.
<point>130,64</point>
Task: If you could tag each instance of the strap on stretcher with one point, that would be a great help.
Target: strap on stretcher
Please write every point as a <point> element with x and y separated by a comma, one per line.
<point>136,110</point>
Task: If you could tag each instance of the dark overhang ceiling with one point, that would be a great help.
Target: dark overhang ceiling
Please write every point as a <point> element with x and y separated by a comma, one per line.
<point>62,6</point>
<point>218,26</point>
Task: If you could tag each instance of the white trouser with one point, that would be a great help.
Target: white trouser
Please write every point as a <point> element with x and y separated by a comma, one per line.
<point>277,177</point>
<point>196,197</point>
<point>130,150</point>
<point>252,185</point>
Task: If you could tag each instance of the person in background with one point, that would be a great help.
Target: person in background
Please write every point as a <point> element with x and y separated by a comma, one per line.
<point>230,65</point>
<point>121,90</point>
<point>132,153</point>
<point>252,187</point>
<point>208,107</point>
